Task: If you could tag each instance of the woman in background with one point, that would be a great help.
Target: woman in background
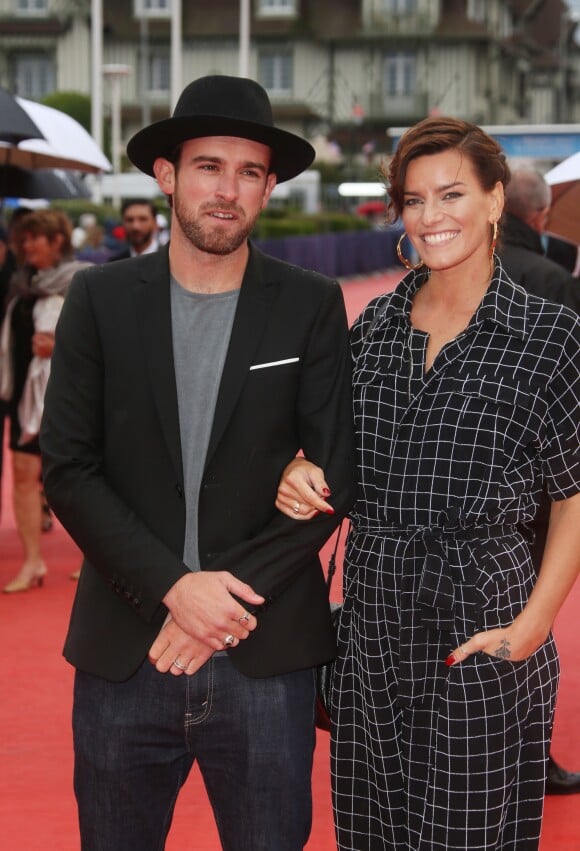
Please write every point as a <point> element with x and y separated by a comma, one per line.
<point>466,400</point>
<point>26,342</point>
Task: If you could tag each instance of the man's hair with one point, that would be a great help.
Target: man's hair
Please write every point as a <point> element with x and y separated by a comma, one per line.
<point>527,193</point>
<point>132,202</point>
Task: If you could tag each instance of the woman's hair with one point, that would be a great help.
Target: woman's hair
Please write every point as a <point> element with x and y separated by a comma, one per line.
<point>437,134</point>
<point>48,223</point>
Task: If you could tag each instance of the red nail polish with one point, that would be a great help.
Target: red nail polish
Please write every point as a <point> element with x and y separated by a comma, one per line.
<point>330,510</point>
<point>451,660</point>
<point>326,491</point>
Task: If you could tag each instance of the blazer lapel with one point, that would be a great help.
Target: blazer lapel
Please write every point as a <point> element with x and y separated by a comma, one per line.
<point>256,297</point>
<point>154,308</point>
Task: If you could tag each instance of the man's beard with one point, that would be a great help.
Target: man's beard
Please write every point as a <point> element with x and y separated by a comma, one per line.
<point>140,239</point>
<point>213,240</point>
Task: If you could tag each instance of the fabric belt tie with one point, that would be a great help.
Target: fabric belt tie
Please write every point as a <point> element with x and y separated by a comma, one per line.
<point>444,564</point>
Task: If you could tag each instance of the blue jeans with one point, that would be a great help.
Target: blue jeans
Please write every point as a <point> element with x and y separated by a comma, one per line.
<point>135,743</point>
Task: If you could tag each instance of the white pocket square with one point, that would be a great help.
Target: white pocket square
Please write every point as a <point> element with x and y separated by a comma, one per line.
<point>274,363</point>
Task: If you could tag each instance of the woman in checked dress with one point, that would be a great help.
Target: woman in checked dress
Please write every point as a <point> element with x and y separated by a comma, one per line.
<point>466,399</point>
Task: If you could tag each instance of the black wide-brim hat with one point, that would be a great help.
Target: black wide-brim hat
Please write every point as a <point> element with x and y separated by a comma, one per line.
<point>218,105</point>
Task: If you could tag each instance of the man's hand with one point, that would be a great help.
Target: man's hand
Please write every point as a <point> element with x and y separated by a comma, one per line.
<point>177,652</point>
<point>203,606</point>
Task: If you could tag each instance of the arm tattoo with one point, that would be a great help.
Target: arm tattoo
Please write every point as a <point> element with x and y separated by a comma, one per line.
<point>504,650</point>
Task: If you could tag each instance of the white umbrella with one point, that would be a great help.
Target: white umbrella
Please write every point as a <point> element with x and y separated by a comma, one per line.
<point>564,216</point>
<point>66,143</point>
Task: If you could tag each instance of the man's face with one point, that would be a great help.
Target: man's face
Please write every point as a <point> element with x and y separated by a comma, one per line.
<point>219,188</point>
<point>140,226</point>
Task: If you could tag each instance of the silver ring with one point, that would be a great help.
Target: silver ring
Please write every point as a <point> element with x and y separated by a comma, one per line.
<point>228,640</point>
<point>177,664</point>
<point>296,507</point>
<point>244,619</point>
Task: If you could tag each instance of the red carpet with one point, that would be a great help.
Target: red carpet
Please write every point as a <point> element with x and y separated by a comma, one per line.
<point>37,809</point>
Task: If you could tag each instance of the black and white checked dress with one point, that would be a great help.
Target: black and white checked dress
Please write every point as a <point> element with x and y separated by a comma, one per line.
<point>451,463</point>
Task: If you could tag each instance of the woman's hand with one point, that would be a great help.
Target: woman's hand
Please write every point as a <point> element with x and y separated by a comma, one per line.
<point>303,490</point>
<point>513,643</point>
<point>42,344</point>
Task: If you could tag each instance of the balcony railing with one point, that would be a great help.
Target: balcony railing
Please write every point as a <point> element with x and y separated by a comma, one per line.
<point>382,105</point>
<point>378,21</point>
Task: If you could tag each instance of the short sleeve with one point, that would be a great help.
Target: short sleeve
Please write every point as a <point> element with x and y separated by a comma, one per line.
<point>560,451</point>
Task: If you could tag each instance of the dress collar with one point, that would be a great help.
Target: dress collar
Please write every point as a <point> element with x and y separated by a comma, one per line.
<point>504,303</point>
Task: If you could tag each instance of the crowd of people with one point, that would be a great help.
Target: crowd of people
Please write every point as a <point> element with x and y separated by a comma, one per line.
<point>208,419</point>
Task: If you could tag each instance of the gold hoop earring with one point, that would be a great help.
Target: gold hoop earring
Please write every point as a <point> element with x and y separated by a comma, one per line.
<point>493,240</point>
<point>406,263</point>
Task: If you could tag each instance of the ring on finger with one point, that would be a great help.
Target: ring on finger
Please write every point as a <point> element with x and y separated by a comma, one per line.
<point>228,640</point>
<point>244,619</point>
<point>177,664</point>
<point>296,508</point>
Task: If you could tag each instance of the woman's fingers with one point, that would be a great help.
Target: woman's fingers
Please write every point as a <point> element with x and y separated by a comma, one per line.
<point>303,490</point>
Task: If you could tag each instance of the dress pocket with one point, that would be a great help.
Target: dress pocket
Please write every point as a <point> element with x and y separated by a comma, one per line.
<point>495,423</point>
<point>504,581</point>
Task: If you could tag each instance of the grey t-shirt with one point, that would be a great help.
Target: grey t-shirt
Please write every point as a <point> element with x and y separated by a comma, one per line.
<point>201,326</point>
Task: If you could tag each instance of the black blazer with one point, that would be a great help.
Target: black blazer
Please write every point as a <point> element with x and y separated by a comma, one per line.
<point>112,459</point>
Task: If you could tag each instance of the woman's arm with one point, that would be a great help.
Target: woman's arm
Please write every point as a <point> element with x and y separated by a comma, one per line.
<point>558,572</point>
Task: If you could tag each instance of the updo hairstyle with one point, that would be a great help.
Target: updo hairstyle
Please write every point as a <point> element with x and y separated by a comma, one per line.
<point>437,134</point>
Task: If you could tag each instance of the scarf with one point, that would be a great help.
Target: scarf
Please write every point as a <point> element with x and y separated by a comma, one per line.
<point>26,283</point>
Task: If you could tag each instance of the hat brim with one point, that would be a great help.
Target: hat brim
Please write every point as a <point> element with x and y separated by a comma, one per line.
<point>291,154</point>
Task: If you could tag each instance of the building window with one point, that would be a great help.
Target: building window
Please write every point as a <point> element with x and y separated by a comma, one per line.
<point>30,7</point>
<point>400,74</point>
<point>399,7</point>
<point>152,8</point>
<point>276,72</point>
<point>277,8</point>
<point>476,10</point>
<point>33,75</point>
<point>159,73</point>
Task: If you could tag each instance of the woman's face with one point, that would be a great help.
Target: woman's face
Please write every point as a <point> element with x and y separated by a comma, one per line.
<point>446,213</point>
<point>39,251</point>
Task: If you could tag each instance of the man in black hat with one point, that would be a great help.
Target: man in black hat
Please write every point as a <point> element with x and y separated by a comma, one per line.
<point>182,383</point>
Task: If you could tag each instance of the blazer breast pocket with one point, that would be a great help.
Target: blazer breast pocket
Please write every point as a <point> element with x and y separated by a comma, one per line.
<point>274,364</point>
<point>275,381</point>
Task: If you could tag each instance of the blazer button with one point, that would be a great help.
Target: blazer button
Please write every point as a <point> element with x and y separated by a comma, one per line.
<point>179,490</point>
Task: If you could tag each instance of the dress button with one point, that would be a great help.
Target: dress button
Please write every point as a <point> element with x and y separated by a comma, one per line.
<point>179,490</point>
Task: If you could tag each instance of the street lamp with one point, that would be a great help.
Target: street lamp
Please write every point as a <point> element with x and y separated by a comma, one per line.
<point>244,41</point>
<point>568,23</point>
<point>115,72</point>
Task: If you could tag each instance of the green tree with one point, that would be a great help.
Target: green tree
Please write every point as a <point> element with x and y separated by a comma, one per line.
<point>75,104</point>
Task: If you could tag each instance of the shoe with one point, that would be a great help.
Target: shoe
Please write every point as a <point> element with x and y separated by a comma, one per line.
<point>561,782</point>
<point>26,579</point>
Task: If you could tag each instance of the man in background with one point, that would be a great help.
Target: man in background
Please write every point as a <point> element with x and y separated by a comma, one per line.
<point>527,203</point>
<point>563,252</point>
<point>140,225</point>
